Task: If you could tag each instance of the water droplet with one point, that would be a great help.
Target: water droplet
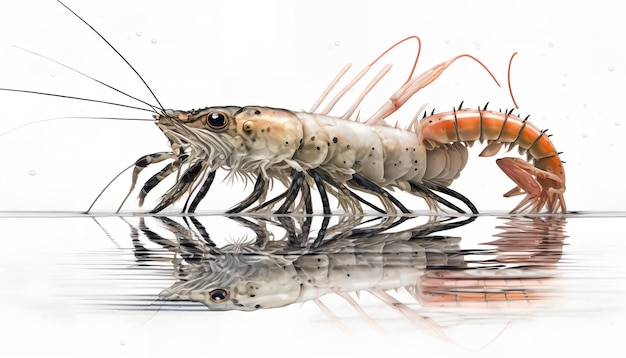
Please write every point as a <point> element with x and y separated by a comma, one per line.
<point>32,173</point>
<point>585,135</point>
<point>122,342</point>
<point>52,74</point>
<point>337,43</point>
<point>611,68</point>
<point>551,44</point>
<point>563,84</point>
<point>447,42</point>
<point>154,41</point>
<point>617,123</point>
<point>543,55</point>
<point>330,46</point>
<point>138,34</point>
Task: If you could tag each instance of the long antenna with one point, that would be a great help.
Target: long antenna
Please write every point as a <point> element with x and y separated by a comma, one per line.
<point>73,117</point>
<point>86,75</point>
<point>116,51</point>
<point>76,98</point>
<point>508,77</point>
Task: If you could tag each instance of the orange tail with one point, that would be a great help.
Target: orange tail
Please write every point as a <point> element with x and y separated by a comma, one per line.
<point>543,181</point>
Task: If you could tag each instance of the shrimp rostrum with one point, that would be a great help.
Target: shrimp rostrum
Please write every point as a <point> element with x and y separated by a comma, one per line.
<point>339,155</point>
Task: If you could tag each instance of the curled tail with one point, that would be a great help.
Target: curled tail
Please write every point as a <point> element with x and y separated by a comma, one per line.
<point>542,181</point>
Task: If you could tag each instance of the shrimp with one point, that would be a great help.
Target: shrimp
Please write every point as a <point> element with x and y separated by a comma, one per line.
<point>340,155</point>
<point>274,143</point>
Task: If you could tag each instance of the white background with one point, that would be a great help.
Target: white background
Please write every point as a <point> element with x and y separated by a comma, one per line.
<point>568,76</point>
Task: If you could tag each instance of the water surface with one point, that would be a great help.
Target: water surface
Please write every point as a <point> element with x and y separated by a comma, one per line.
<point>91,286</point>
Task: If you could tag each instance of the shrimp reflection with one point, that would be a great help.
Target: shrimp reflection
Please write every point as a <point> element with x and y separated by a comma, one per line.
<point>354,255</point>
<point>519,267</point>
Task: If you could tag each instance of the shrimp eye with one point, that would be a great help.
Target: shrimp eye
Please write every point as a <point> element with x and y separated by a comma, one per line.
<point>218,295</point>
<point>217,120</point>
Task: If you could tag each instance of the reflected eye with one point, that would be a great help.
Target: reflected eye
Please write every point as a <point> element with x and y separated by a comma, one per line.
<point>218,295</point>
<point>217,120</point>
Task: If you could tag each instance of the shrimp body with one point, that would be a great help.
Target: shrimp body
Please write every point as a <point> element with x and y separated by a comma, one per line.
<point>427,156</point>
<point>270,142</point>
<point>385,155</point>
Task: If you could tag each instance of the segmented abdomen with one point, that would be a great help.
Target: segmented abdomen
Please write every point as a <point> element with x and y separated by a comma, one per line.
<point>498,128</point>
<point>383,154</point>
